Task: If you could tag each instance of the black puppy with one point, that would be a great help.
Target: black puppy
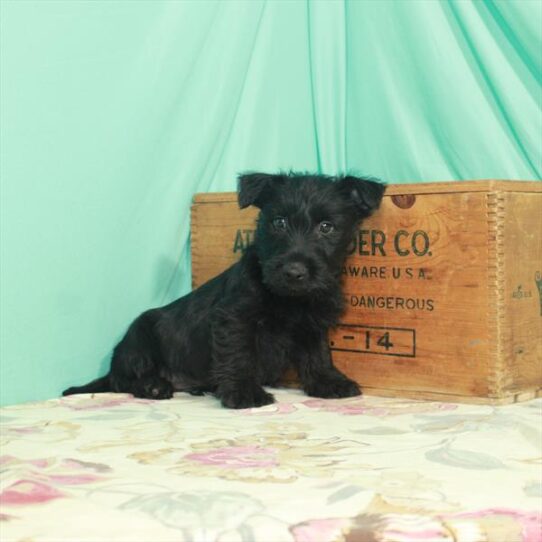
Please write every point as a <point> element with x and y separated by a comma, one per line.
<point>268,312</point>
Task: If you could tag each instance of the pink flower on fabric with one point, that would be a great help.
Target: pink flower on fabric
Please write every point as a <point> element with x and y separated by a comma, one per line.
<point>102,401</point>
<point>29,492</point>
<point>237,457</point>
<point>531,522</point>
<point>74,479</point>
<point>359,406</point>
<point>25,430</point>
<point>343,407</point>
<point>7,460</point>
<point>43,475</point>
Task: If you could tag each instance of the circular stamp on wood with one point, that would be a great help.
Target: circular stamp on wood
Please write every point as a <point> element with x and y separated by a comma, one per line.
<point>404,201</point>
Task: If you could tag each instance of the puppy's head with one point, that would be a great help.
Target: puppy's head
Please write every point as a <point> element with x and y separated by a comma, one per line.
<point>305,225</point>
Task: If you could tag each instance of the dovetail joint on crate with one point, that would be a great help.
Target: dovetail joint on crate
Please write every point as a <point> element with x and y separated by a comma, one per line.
<point>499,375</point>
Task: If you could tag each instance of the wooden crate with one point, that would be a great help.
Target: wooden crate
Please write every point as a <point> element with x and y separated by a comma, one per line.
<point>443,287</point>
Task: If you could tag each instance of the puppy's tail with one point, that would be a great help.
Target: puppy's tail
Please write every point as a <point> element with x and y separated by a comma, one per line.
<point>100,385</point>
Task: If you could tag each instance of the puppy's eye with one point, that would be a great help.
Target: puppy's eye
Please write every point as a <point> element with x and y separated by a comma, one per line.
<point>280,223</point>
<point>326,227</point>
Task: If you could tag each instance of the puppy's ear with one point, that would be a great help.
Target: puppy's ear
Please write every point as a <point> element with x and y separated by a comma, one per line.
<point>254,187</point>
<point>365,194</point>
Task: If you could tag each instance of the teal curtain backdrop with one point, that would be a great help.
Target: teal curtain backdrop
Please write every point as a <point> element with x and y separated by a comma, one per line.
<point>114,113</point>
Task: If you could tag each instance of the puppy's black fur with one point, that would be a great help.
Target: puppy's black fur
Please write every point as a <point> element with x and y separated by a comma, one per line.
<point>268,312</point>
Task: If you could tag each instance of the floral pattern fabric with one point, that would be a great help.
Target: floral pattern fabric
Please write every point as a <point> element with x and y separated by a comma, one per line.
<point>110,467</point>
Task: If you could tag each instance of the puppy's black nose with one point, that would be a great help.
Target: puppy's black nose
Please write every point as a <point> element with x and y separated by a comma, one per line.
<point>296,271</point>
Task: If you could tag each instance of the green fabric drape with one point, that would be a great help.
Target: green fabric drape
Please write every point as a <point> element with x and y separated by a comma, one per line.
<point>115,112</point>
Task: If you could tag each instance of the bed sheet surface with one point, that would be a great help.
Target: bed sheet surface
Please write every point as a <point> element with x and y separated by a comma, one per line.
<point>111,467</point>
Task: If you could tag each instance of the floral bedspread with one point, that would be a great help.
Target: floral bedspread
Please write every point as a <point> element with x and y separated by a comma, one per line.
<point>110,467</point>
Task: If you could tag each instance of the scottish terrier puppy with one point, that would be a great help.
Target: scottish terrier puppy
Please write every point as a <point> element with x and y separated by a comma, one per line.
<point>270,311</point>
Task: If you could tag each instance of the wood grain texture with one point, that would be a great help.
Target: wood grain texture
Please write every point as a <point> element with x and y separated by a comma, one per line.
<point>431,285</point>
<point>521,299</point>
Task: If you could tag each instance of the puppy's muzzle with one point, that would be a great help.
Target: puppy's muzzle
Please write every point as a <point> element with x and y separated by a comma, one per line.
<point>296,273</point>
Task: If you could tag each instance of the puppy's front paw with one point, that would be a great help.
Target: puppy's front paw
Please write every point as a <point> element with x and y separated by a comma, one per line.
<point>245,396</point>
<point>333,389</point>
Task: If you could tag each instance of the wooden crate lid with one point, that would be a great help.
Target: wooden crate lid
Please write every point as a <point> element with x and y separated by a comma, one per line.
<point>415,188</point>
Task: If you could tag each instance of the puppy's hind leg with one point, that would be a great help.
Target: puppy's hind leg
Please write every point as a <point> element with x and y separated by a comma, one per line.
<point>135,372</point>
<point>136,362</point>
